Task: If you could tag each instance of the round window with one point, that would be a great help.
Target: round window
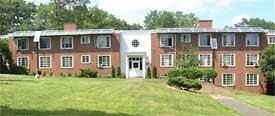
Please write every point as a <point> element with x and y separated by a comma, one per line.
<point>135,43</point>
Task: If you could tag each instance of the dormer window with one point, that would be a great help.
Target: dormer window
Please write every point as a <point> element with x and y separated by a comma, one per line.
<point>166,40</point>
<point>45,43</point>
<point>204,40</point>
<point>66,42</point>
<point>103,41</point>
<point>22,43</point>
<point>252,40</point>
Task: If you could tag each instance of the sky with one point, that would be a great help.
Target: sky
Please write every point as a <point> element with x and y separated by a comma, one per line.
<point>222,12</point>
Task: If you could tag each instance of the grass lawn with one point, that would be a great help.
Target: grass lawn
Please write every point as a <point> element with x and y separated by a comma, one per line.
<point>264,102</point>
<point>23,95</point>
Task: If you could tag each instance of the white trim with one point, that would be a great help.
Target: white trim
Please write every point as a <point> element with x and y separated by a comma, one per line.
<point>246,84</point>
<point>89,39</point>
<point>233,80</point>
<point>247,58</point>
<point>101,36</point>
<point>166,36</point>
<point>268,39</point>
<point>211,60</point>
<point>85,62</point>
<point>28,43</point>
<point>190,39</point>
<point>234,62</point>
<point>45,48</point>
<point>199,40</point>
<point>61,61</point>
<point>17,61</point>
<point>45,67</point>
<point>233,39</point>
<point>172,62</point>
<point>104,66</point>
<point>247,38</point>
<point>65,37</point>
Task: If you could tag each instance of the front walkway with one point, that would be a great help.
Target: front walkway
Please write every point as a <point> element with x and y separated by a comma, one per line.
<point>221,94</point>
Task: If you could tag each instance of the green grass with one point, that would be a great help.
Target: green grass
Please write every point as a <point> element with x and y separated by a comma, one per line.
<point>23,95</point>
<point>264,102</point>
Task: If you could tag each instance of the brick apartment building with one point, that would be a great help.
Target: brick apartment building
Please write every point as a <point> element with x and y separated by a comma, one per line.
<point>72,49</point>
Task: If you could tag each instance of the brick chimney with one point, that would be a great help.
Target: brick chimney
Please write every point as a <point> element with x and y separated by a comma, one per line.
<point>204,24</point>
<point>71,26</point>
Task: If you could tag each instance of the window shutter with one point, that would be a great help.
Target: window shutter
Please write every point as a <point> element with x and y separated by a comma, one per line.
<point>97,64</point>
<point>174,40</point>
<point>221,60</point>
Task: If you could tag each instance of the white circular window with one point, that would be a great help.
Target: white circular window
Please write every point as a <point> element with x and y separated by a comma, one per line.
<point>135,43</point>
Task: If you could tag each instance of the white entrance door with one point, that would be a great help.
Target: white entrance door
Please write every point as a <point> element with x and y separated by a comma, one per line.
<point>135,67</point>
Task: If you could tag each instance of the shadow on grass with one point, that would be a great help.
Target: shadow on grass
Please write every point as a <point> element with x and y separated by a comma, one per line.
<point>7,111</point>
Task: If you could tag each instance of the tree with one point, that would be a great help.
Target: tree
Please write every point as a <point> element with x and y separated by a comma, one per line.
<point>148,73</point>
<point>209,73</point>
<point>185,56</point>
<point>16,15</point>
<point>154,73</point>
<point>5,55</point>
<point>267,63</point>
<point>256,22</point>
<point>166,19</point>
<point>113,72</point>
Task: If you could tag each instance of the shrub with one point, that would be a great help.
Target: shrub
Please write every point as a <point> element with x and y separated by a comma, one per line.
<point>118,72</point>
<point>20,70</point>
<point>191,73</point>
<point>113,72</point>
<point>32,73</point>
<point>89,73</point>
<point>209,74</point>
<point>183,82</point>
<point>69,74</point>
<point>62,74</point>
<point>148,73</point>
<point>44,73</point>
<point>51,74</point>
<point>154,72</point>
<point>175,73</point>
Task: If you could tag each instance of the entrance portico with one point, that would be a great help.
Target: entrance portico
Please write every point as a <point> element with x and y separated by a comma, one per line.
<point>135,65</point>
<point>135,53</point>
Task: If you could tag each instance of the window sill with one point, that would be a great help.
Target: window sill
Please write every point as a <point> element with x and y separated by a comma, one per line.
<point>251,85</point>
<point>252,45</point>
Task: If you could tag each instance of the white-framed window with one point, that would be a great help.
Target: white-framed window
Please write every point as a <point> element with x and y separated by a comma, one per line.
<point>104,61</point>
<point>271,40</point>
<point>252,40</point>
<point>228,60</point>
<point>228,40</point>
<point>85,39</point>
<point>22,43</point>
<point>85,59</point>
<point>103,41</point>
<point>166,60</point>
<point>45,43</point>
<point>45,62</point>
<point>206,60</point>
<point>166,40</point>
<point>252,79</point>
<point>66,42</point>
<point>185,38</point>
<point>23,61</point>
<point>67,61</point>
<point>204,40</point>
<point>252,59</point>
<point>228,79</point>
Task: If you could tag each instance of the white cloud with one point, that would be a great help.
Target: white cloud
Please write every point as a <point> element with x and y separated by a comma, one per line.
<point>238,19</point>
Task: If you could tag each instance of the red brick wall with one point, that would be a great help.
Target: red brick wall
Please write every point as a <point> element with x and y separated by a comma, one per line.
<point>240,51</point>
<point>78,49</point>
